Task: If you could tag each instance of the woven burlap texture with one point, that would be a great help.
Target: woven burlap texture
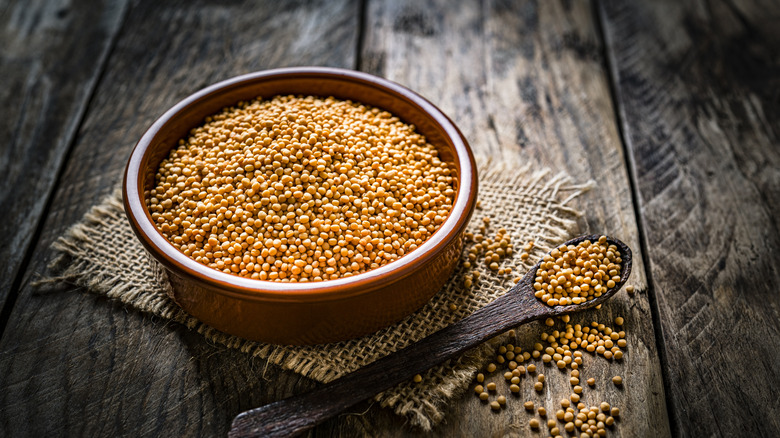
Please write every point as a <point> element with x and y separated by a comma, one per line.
<point>102,254</point>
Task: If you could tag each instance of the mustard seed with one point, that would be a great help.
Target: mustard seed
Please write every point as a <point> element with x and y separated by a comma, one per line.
<point>495,405</point>
<point>484,396</point>
<point>617,380</point>
<point>534,423</point>
<point>619,320</point>
<point>501,400</point>
<point>491,387</point>
<point>297,189</point>
<point>417,378</point>
<point>480,377</point>
<point>572,274</point>
<point>538,386</point>
<point>592,381</point>
<point>529,405</point>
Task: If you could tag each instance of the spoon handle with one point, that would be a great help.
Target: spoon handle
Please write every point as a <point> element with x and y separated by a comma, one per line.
<point>299,413</point>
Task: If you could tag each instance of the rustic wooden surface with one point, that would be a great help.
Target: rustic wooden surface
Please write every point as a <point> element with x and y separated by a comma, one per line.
<point>700,107</point>
<point>684,161</point>
<point>48,74</point>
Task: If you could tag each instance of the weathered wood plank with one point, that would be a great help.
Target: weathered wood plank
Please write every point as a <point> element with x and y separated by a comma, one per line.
<point>526,80</point>
<point>72,364</point>
<point>51,55</point>
<point>697,85</point>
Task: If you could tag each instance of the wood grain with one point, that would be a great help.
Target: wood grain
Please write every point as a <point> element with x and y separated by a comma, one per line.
<point>526,80</point>
<point>697,84</point>
<point>75,365</point>
<point>51,55</point>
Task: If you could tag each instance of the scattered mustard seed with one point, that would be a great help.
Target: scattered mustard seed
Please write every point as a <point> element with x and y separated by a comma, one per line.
<point>617,380</point>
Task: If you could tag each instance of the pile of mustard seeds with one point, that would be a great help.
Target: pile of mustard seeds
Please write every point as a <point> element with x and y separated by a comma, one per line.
<point>297,189</point>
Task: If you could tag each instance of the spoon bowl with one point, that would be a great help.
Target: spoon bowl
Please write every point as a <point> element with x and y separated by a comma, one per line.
<point>518,306</point>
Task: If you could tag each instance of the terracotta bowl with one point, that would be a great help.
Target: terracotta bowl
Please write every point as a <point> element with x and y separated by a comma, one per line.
<point>304,313</point>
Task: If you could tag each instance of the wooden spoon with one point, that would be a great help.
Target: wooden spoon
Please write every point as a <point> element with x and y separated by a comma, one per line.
<point>299,413</point>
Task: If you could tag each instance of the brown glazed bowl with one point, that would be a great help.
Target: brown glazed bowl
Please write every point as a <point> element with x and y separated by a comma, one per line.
<point>304,313</point>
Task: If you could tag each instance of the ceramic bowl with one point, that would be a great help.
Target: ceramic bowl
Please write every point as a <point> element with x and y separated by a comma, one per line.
<point>317,312</point>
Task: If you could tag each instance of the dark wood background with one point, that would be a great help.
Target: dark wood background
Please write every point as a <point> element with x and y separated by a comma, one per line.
<point>671,107</point>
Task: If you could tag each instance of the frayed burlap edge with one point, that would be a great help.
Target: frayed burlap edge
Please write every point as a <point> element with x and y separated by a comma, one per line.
<point>421,403</point>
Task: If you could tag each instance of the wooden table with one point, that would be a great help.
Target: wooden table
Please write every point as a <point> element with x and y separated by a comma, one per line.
<point>673,108</point>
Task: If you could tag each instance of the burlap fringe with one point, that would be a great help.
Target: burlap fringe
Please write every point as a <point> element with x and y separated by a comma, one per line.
<point>421,404</point>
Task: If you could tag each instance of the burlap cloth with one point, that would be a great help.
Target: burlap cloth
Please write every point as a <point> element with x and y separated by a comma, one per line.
<point>102,254</point>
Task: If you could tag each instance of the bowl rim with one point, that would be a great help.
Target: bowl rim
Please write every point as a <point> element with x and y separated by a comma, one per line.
<point>329,290</point>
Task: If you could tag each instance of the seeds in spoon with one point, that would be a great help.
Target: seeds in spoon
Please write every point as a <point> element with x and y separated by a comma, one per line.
<point>573,274</point>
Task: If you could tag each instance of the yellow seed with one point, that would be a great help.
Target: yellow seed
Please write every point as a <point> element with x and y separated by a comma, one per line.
<point>538,386</point>
<point>480,377</point>
<point>550,322</point>
<point>417,378</point>
<point>531,368</point>
<point>591,381</point>
<point>243,191</point>
<point>529,405</point>
<point>575,398</point>
<point>495,405</point>
<point>491,367</point>
<point>577,389</point>
<point>615,412</point>
<point>619,320</point>
<point>617,380</point>
<point>491,386</point>
<point>484,396</point>
<point>540,378</point>
<point>478,389</point>
<point>534,423</point>
<point>514,388</point>
<point>501,400</point>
